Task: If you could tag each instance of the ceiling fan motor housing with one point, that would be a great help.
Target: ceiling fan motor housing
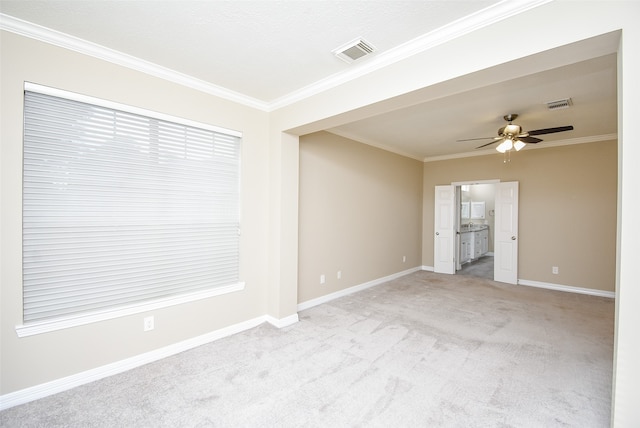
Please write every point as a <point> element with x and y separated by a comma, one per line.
<point>512,130</point>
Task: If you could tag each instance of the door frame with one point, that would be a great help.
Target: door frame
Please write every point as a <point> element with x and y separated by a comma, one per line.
<point>455,221</point>
<point>457,186</point>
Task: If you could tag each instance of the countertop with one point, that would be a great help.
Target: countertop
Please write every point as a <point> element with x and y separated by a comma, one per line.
<point>475,228</point>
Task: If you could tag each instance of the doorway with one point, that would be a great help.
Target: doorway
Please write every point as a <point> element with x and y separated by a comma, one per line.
<point>448,228</point>
<point>475,227</point>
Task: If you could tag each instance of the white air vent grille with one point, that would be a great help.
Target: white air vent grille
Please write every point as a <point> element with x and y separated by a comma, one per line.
<point>354,50</point>
<point>558,104</point>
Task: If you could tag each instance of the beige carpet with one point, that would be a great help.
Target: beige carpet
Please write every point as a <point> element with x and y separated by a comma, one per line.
<point>425,350</point>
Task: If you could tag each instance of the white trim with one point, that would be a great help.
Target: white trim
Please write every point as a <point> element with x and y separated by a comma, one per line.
<point>484,152</point>
<point>74,96</point>
<point>282,322</point>
<point>567,288</point>
<point>62,323</point>
<point>462,183</point>
<point>373,143</point>
<point>546,145</point>
<point>483,18</point>
<point>66,41</point>
<point>59,385</point>
<point>345,292</point>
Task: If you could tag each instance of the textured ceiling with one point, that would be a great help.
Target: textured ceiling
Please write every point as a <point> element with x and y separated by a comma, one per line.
<point>269,53</point>
<point>262,49</point>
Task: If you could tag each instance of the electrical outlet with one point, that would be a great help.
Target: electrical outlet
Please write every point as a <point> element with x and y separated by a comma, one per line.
<point>554,270</point>
<point>149,323</point>
<point>322,279</point>
<point>339,274</point>
<point>404,259</point>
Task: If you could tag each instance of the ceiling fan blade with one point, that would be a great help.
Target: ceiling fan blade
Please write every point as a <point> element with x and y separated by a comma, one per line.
<point>474,139</point>
<point>485,145</point>
<point>551,130</point>
<point>529,140</point>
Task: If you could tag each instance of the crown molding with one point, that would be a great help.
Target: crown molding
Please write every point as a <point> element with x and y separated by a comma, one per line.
<point>499,11</point>
<point>546,145</point>
<point>482,18</point>
<point>484,152</point>
<point>66,41</point>
<point>373,143</point>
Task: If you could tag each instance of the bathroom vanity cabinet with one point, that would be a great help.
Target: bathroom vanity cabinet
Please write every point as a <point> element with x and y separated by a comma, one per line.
<point>474,243</point>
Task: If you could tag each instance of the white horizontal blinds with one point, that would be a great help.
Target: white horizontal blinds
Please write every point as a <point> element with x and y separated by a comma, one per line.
<point>119,208</point>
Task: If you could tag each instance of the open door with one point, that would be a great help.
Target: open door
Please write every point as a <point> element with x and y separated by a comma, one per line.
<point>505,267</point>
<point>444,239</point>
<point>457,219</point>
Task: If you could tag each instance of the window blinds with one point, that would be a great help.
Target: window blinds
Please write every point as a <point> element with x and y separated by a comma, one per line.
<point>120,208</point>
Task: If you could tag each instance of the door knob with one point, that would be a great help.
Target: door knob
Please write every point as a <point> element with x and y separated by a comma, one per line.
<point>437,233</point>
<point>513,238</point>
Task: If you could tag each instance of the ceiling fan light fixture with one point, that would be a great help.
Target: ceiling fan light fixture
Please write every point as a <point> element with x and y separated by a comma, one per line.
<point>505,146</point>
<point>509,136</point>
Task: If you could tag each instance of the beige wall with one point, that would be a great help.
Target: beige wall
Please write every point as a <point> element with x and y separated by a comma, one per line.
<point>359,213</point>
<point>430,74</point>
<point>37,359</point>
<point>471,61</point>
<point>358,208</point>
<point>567,209</point>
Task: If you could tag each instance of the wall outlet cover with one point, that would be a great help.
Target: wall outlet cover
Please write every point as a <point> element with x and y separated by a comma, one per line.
<point>149,323</point>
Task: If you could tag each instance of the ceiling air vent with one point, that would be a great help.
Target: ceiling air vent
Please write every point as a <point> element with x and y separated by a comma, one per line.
<point>354,50</point>
<point>555,105</point>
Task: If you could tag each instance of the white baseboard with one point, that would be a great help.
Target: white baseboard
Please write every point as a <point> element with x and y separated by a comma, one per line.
<point>283,322</point>
<point>59,385</point>
<point>341,293</point>
<point>557,287</point>
<point>567,288</point>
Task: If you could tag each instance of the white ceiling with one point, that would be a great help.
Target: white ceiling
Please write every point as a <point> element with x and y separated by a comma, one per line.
<point>269,53</point>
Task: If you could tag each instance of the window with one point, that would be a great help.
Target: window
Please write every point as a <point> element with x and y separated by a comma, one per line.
<point>123,209</point>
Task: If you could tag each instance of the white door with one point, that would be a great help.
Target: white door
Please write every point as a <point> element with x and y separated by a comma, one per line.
<point>444,239</point>
<point>458,250</point>
<point>506,233</point>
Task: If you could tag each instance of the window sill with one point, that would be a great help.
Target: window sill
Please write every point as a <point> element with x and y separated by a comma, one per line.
<point>32,329</point>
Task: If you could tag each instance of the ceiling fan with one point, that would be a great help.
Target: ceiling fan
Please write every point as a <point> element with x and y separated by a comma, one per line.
<point>513,137</point>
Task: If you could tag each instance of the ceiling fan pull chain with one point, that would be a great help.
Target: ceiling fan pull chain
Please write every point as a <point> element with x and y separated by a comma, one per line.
<point>507,156</point>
